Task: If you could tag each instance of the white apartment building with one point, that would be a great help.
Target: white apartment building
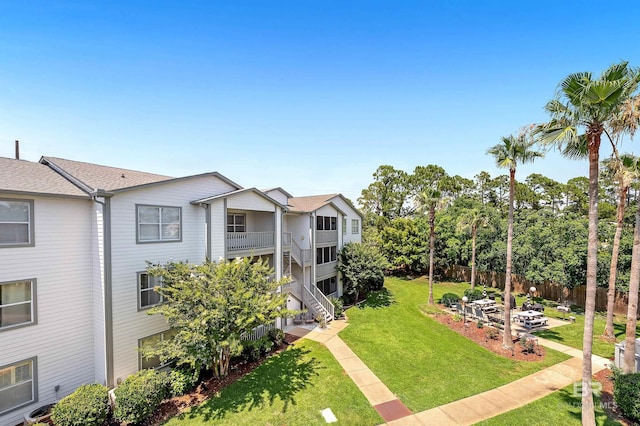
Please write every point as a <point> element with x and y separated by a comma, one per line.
<point>75,239</point>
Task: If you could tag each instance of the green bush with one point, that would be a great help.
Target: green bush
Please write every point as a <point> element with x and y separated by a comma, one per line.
<point>448,299</point>
<point>457,318</point>
<point>140,394</point>
<point>626,393</point>
<point>182,380</point>
<point>472,295</point>
<point>87,405</point>
<point>252,350</point>
<point>276,336</point>
<point>338,305</point>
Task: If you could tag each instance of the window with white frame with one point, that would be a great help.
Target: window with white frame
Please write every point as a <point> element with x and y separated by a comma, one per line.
<point>17,385</point>
<point>158,223</point>
<point>236,222</point>
<point>152,342</point>
<point>326,223</point>
<point>328,286</point>
<point>344,226</point>
<point>16,304</point>
<point>355,226</point>
<point>16,222</point>
<point>146,286</point>
<point>326,254</point>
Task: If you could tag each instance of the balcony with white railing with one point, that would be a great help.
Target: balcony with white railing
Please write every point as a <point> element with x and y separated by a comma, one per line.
<point>301,256</point>
<point>326,237</point>
<point>247,241</point>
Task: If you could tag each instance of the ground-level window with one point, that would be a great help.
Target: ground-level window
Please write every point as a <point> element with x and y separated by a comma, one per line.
<point>152,342</point>
<point>17,304</point>
<point>16,222</point>
<point>355,226</point>
<point>326,223</point>
<point>17,384</point>
<point>326,254</point>
<point>236,223</point>
<point>146,286</point>
<point>328,286</point>
<point>158,223</point>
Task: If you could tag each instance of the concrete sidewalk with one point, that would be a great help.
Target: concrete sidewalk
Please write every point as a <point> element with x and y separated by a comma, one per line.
<point>465,411</point>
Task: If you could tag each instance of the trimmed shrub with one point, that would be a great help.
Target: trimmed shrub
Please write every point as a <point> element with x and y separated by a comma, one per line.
<point>87,405</point>
<point>182,380</point>
<point>448,299</point>
<point>626,393</point>
<point>472,295</point>
<point>140,394</point>
<point>276,336</point>
<point>338,305</point>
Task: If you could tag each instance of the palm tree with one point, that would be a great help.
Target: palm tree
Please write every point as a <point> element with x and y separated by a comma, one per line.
<point>582,111</point>
<point>429,200</point>
<point>624,170</point>
<point>629,361</point>
<point>511,151</point>
<point>470,221</point>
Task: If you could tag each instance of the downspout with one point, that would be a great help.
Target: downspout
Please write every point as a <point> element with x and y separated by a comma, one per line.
<point>107,274</point>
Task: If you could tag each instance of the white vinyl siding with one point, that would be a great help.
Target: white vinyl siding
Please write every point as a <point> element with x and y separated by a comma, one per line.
<point>129,258</point>
<point>16,222</point>
<point>158,223</point>
<point>17,304</point>
<point>147,296</point>
<point>17,385</point>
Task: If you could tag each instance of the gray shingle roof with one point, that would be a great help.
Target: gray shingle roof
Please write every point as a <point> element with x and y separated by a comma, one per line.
<point>22,176</point>
<point>94,176</point>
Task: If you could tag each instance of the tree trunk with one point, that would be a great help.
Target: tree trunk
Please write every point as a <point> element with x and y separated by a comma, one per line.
<point>613,269</point>
<point>629,362</point>
<point>588,415</point>
<point>507,339</point>
<point>474,231</point>
<point>432,223</point>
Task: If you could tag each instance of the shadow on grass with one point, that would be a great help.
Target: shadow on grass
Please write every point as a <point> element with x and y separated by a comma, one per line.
<point>550,335</point>
<point>279,377</point>
<point>378,299</point>
<point>573,404</point>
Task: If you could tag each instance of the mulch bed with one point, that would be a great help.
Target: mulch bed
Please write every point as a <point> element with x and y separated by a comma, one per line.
<point>480,336</point>
<point>207,388</point>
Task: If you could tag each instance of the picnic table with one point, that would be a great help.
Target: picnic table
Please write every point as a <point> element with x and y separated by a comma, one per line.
<point>486,305</point>
<point>531,319</point>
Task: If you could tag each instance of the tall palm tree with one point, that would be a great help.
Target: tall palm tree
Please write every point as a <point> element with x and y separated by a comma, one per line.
<point>470,221</point>
<point>582,111</point>
<point>629,361</point>
<point>507,154</point>
<point>624,170</point>
<point>429,200</point>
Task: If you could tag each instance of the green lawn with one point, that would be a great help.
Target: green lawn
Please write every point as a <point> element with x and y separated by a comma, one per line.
<point>290,388</point>
<point>571,334</point>
<point>420,360</point>
<point>558,408</point>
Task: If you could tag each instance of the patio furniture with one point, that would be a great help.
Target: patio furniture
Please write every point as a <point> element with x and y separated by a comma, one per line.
<point>531,319</point>
<point>458,308</point>
<point>469,311</point>
<point>479,314</point>
<point>297,319</point>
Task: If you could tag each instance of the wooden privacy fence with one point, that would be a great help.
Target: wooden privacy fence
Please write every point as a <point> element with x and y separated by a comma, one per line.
<point>547,289</point>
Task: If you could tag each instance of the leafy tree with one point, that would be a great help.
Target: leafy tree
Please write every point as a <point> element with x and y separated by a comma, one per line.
<point>211,305</point>
<point>483,183</point>
<point>384,199</point>
<point>582,111</point>
<point>402,245</point>
<point>508,154</point>
<point>362,267</point>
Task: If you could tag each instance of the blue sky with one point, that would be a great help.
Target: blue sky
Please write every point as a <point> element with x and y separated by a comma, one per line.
<point>309,95</point>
